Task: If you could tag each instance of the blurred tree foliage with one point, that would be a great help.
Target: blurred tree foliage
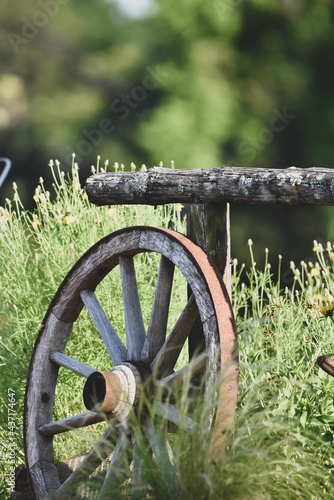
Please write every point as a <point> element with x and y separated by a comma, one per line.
<point>201,82</point>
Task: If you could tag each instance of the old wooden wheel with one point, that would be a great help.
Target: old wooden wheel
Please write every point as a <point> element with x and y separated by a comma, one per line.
<point>113,393</point>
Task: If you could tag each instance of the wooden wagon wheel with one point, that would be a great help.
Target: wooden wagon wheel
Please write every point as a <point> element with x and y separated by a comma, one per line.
<point>116,390</point>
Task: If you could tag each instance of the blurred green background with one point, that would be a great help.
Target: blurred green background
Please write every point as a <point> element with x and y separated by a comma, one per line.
<point>205,83</point>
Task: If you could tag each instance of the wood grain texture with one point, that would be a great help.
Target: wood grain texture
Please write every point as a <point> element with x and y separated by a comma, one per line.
<point>70,423</point>
<point>119,463</point>
<point>164,456</point>
<point>183,375</point>
<point>157,186</point>
<point>45,479</point>
<point>92,460</point>
<point>174,250</point>
<point>139,474</point>
<point>134,324</point>
<point>208,226</point>
<point>39,401</point>
<point>113,343</point>
<point>166,358</point>
<point>156,332</point>
<point>89,271</point>
<point>170,412</point>
<point>71,364</point>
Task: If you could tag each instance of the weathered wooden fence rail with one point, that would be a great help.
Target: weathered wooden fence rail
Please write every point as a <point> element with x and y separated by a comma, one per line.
<point>157,186</point>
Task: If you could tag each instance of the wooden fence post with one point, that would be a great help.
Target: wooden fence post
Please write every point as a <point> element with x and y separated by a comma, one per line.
<point>208,226</point>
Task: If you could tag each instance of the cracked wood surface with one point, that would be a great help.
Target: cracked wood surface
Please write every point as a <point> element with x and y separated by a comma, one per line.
<point>158,185</point>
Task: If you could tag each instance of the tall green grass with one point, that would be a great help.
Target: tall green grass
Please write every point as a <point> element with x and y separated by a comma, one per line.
<point>282,446</point>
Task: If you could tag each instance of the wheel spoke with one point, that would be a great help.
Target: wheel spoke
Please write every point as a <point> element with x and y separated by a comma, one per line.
<point>90,463</point>
<point>134,324</point>
<point>120,461</point>
<point>156,332</point>
<point>139,481</point>
<point>163,456</point>
<point>71,364</point>
<point>166,358</point>
<point>184,374</point>
<point>113,343</point>
<point>169,412</point>
<point>70,423</point>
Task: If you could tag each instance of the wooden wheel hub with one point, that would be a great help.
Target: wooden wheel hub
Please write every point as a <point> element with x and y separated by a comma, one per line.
<point>113,392</point>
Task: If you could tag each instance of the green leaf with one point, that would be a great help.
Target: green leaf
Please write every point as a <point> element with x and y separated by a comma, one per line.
<point>323,419</point>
